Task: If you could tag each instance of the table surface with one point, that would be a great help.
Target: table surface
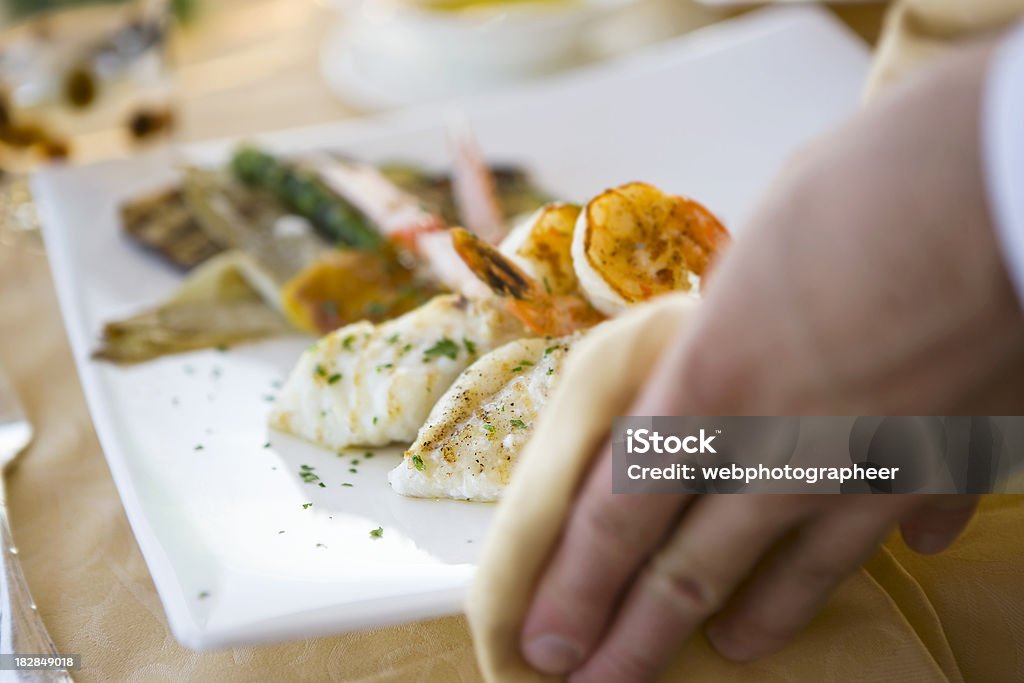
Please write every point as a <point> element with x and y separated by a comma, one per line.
<point>244,67</point>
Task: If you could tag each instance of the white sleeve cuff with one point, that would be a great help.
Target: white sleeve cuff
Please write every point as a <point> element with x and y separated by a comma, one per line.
<point>1002,139</point>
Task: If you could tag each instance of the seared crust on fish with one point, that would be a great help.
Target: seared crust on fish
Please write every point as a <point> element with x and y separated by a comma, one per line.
<point>471,441</point>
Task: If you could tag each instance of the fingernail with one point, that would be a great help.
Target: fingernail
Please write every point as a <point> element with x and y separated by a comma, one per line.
<point>927,543</point>
<point>726,644</point>
<point>552,654</point>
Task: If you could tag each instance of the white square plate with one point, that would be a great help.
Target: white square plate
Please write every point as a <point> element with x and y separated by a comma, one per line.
<point>236,555</point>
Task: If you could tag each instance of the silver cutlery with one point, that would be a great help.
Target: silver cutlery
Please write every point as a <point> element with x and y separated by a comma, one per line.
<point>22,631</point>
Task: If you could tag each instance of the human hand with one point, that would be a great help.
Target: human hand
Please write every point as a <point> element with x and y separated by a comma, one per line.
<point>869,282</point>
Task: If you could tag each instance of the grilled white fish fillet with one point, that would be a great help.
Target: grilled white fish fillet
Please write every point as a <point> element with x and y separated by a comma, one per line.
<point>371,385</point>
<point>471,442</point>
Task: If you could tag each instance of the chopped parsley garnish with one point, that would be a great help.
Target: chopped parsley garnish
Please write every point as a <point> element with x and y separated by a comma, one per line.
<point>347,484</point>
<point>551,371</point>
<point>280,532</point>
<point>319,370</point>
<point>306,506</point>
<point>393,338</point>
<point>307,474</point>
<point>320,545</point>
<point>198,447</point>
<point>353,470</point>
<point>488,427</point>
<point>550,349</point>
<point>470,346</point>
<point>266,445</point>
<point>221,347</point>
<point>518,424</point>
<point>444,347</point>
<point>547,285</point>
<point>204,594</point>
<point>385,366</point>
<point>374,419</point>
<point>354,463</point>
<point>417,462</point>
<point>269,398</point>
<point>336,377</point>
<point>523,364</point>
<point>377,533</point>
<point>323,485</point>
<point>346,343</point>
<point>368,455</point>
<point>405,349</point>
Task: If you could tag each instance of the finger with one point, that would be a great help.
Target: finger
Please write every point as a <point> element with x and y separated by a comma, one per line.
<point>795,582</point>
<point>607,538</point>
<point>936,523</point>
<point>716,545</point>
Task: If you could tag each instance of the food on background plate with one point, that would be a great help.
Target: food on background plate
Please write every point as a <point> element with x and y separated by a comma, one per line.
<point>470,424</point>
<point>469,444</point>
<point>320,241</point>
<point>372,385</point>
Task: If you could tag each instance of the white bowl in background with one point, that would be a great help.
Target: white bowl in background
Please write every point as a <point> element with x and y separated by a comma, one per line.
<point>386,53</point>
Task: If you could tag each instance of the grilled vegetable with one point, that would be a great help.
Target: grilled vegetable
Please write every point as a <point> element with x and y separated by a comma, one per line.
<point>346,285</point>
<point>164,222</point>
<point>304,193</point>
<point>217,305</point>
<point>239,218</point>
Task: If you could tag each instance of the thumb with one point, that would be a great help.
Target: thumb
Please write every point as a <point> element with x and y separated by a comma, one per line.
<point>934,524</point>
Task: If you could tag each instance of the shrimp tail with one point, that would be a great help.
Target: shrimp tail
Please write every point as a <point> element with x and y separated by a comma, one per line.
<point>494,269</point>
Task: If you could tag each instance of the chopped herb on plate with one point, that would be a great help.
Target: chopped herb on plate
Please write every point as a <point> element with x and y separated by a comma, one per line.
<point>444,347</point>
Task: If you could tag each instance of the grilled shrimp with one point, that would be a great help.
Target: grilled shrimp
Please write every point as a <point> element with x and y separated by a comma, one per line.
<point>635,242</point>
<point>542,246</point>
<point>544,312</point>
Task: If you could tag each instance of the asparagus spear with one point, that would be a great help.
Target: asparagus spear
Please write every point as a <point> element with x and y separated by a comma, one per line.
<point>302,192</point>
